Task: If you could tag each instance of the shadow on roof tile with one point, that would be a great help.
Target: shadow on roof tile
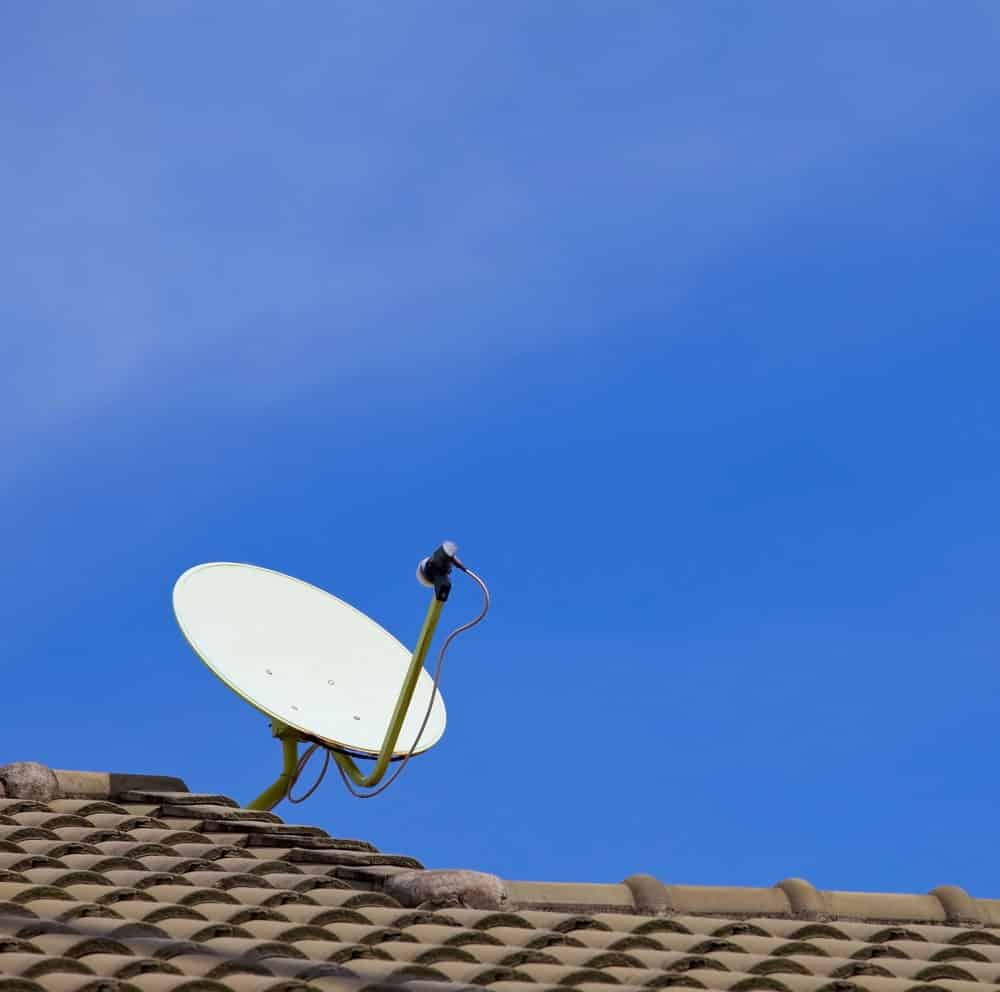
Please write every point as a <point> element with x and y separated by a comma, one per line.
<point>421,954</point>
<point>354,933</point>
<point>102,863</point>
<point>327,918</point>
<point>740,982</point>
<point>404,918</point>
<point>59,848</point>
<point>739,929</point>
<point>453,936</point>
<point>74,945</point>
<point>169,837</point>
<point>71,911</point>
<point>181,983</point>
<point>12,807</point>
<point>17,945</point>
<point>562,975</point>
<point>91,835</point>
<point>519,986</point>
<point>577,957</point>
<point>476,919</point>
<point>37,965</point>
<point>217,811</point>
<point>85,983</point>
<point>246,914</point>
<point>63,878</point>
<point>390,971</point>
<point>358,901</point>
<point>294,883</point>
<point>206,852</point>
<point>124,822</point>
<point>201,930</point>
<point>341,953</point>
<point>622,942</point>
<point>26,862</point>
<point>794,947</point>
<point>962,953</point>
<point>49,820</point>
<point>779,966</point>
<point>188,895</point>
<point>515,957</point>
<point>84,807</point>
<point>661,982</point>
<point>18,833</point>
<point>176,798</point>
<point>870,951</point>
<point>125,967</point>
<point>543,938</point>
<point>975,937</point>
<point>213,966</point>
<point>309,971</point>
<point>16,893</point>
<point>153,912</point>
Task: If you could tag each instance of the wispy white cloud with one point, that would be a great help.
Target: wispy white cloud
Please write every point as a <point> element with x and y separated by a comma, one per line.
<point>306,207</point>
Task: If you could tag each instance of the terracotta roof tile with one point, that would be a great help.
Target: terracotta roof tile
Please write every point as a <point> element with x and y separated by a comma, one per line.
<point>143,890</point>
<point>63,983</point>
<point>33,965</point>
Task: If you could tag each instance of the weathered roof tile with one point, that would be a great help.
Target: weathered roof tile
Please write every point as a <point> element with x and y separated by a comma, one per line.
<point>105,889</point>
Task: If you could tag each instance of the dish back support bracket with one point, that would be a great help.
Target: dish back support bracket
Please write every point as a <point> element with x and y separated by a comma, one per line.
<point>290,738</point>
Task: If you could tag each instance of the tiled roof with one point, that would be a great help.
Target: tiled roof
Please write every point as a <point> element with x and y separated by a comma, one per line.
<point>133,884</point>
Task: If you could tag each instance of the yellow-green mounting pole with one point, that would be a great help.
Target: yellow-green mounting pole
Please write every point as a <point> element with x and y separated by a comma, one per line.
<point>402,705</point>
<point>277,791</point>
<point>290,738</point>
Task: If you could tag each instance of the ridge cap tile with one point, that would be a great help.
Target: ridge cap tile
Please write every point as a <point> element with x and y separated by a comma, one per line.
<point>83,784</point>
<point>177,798</point>
<point>217,811</point>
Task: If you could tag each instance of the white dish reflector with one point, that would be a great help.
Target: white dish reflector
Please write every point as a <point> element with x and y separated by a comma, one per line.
<point>302,656</point>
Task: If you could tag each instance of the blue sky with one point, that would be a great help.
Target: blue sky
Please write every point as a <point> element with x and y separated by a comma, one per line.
<point>681,318</point>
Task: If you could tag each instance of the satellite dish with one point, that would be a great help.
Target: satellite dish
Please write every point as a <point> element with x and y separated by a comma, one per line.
<point>322,671</point>
<point>302,656</point>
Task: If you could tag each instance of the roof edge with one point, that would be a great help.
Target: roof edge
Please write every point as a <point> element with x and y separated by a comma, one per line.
<point>33,780</point>
<point>107,785</point>
<point>641,894</point>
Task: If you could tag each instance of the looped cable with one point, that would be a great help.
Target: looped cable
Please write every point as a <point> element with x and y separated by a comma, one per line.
<point>311,750</point>
<point>301,767</point>
<point>430,706</point>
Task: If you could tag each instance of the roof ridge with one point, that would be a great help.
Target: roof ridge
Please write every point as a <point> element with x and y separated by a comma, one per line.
<point>33,780</point>
<point>791,897</point>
